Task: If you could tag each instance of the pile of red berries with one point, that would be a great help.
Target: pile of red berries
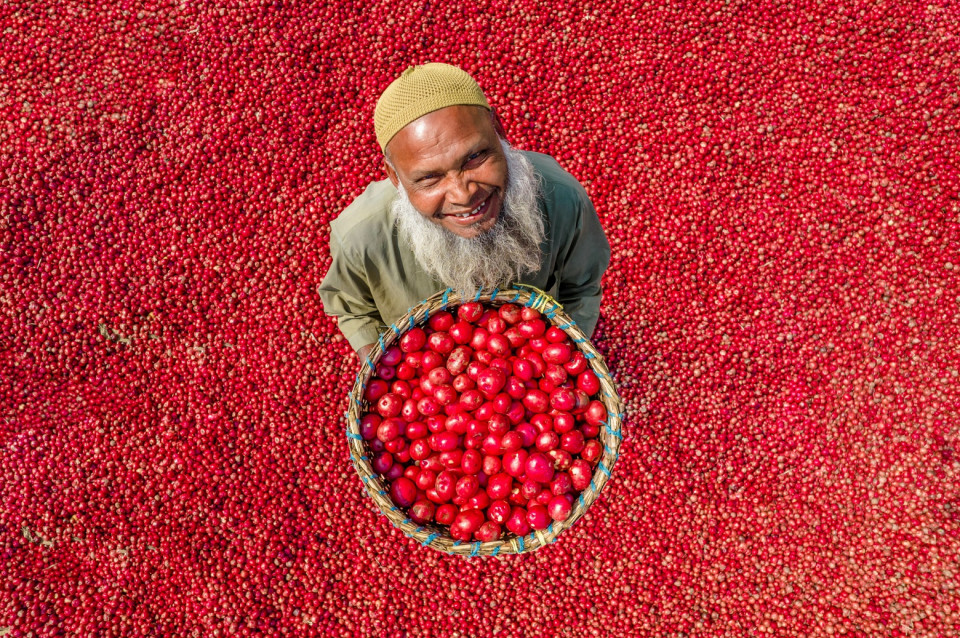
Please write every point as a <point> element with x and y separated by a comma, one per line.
<point>779,185</point>
<point>484,419</point>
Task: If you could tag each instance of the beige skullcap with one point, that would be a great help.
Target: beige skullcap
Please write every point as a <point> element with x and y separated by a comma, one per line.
<point>420,90</point>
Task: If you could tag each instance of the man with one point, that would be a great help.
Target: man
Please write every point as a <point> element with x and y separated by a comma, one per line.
<point>460,209</point>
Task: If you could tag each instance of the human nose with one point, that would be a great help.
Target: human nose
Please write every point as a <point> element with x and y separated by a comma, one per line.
<point>459,192</point>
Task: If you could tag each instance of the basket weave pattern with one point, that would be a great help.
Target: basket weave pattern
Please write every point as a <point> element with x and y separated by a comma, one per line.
<point>432,535</point>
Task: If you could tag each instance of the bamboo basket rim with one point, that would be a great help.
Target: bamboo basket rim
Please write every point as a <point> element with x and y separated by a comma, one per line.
<point>431,535</point>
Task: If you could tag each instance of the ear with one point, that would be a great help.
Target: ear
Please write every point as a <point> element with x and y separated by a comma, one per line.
<point>497,124</point>
<point>391,173</point>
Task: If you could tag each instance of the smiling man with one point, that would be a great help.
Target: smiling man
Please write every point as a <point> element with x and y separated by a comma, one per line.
<point>460,209</point>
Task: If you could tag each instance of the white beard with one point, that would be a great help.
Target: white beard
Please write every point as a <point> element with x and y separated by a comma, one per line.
<point>495,259</point>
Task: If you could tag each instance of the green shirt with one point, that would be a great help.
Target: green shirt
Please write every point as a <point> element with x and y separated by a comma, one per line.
<point>374,278</point>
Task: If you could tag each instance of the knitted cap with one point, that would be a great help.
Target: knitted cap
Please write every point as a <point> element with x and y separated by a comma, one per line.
<point>420,90</point>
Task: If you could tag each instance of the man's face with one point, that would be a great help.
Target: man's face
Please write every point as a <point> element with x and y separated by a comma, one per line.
<point>453,168</point>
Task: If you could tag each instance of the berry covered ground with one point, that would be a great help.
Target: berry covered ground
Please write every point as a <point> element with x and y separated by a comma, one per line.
<point>780,188</point>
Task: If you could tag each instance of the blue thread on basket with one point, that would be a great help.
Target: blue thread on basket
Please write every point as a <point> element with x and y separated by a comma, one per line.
<point>364,457</point>
<point>476,549</point>
<point>603,468</point>
<point>493,295</point>
<point>382,492</point>
<point>583,503</point>
<point>446,296</point>
<point>589,355</point>
<point>520,542</point>
<point>383,346</point>
<point>515,297</point>
<point>395,329</point>
<point>430,539</point>
<point>418,530</point>
<point>405,521</point>
<point>496,550</point>
<point>369,362</point>
<point>355,437</point>
<point>613,432</point>
<point>580,341</point>
<point>593,485</point>
<point>610,451</point>
<point>479,292</point>
<point>412,323</point>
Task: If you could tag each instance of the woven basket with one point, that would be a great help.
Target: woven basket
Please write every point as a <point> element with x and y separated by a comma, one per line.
<point>436,537</point>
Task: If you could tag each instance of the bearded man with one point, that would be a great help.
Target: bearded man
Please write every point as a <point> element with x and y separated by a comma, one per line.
<point>460,209</point>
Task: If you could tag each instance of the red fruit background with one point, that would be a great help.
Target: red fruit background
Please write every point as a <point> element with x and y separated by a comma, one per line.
<point>779,184</point>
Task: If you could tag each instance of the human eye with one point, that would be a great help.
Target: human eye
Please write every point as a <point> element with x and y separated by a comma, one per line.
<point>427,180</point>
<point>476,158</point>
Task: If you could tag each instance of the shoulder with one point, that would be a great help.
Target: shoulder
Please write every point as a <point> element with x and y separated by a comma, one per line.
<point>560,189</point>
<point>564,200</point>
<point>367,219</point>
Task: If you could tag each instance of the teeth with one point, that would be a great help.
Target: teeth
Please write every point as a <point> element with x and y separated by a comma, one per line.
<point>473,212</point>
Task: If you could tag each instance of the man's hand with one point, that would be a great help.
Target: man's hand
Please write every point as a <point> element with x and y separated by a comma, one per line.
<point>364,351</point>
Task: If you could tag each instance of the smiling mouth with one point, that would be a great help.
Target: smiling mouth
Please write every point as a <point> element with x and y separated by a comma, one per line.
<point>475,214</point>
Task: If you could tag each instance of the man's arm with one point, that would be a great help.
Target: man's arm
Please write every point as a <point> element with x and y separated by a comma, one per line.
<point>587,259</point>
<point>346,296</point>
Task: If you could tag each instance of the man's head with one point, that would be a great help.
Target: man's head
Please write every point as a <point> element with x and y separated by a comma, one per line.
<point>452,166</point>
<point>440,143</point>
<point>444,154</point>
<point>491,258</point>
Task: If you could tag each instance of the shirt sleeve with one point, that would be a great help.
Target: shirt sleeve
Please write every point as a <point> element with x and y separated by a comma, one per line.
<point>346,295</point>
<point>586,260</point>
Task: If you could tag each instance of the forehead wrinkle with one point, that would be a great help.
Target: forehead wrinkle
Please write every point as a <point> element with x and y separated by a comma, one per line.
<point>426,147</point>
